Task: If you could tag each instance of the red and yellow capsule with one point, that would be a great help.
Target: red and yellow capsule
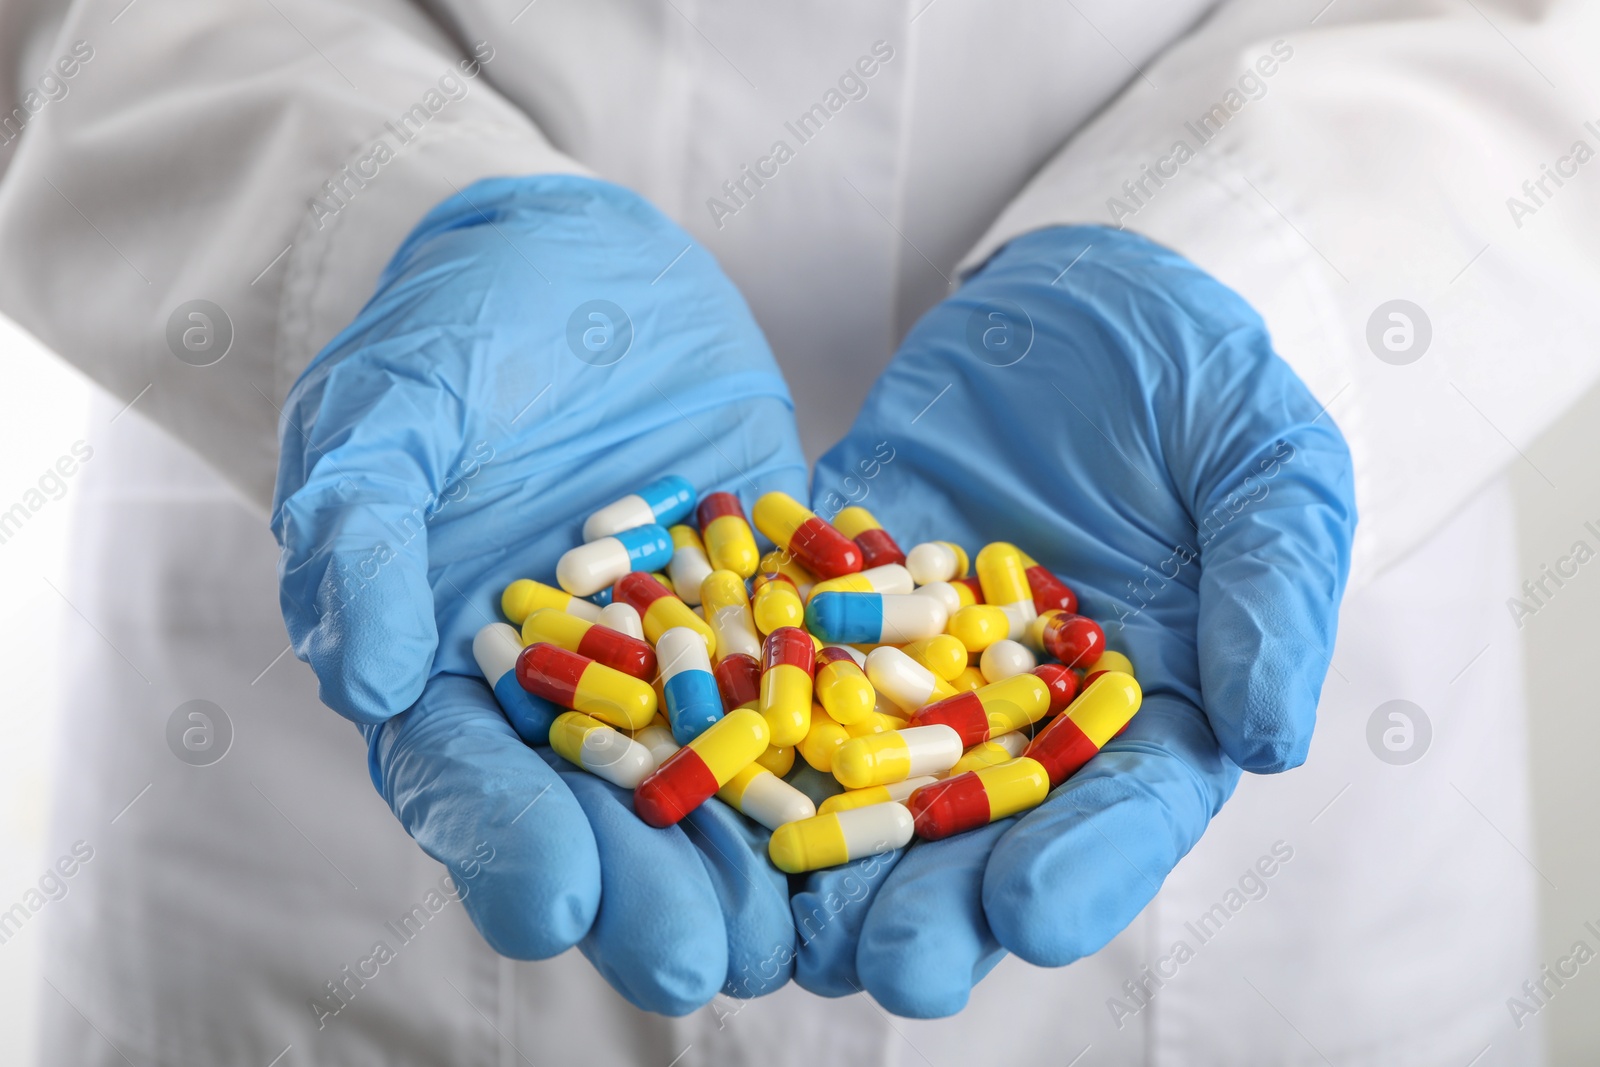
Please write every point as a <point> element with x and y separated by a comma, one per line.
<point>659,609</point>
<point>998,708</point>
<point>1063,683</point>
<point>599,643</point>
<point>1108,661</point>
<point>739,681</point>
<point>693,774</point>
<point>579,683</point>
<point>730,545</point>
<point>1049,592</point>
<point>842,686</point>
<point>978,798</point>
<point>776,602</point>
<point>818,547</point>
<point>788,661</point>
<point>1004,580</point>
<point>781,562</point>
<point>1075,640</point>
<point>877,547</point>
<point>1097,716</point>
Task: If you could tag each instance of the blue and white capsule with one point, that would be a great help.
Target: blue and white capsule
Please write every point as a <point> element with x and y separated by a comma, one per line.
<point>496,647</point>
<point>693,701</point>
<point>663,502</point>
<point>875,618</point>
<point>591,567</point>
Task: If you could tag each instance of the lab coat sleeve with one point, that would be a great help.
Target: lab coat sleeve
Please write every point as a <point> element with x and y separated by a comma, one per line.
<point>265,157</point>
<point>1324,159</point>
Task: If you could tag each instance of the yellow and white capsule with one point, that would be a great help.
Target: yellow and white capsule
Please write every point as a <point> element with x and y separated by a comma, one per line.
<point>878,794</point>
<point>991,753</point>
<point>978,626</point>
<point>785,564</point>
<point>889,578</point>
<point>822,739</point>
<point>970,680</point>
<point>761,795</point>
<point>839,837</point>
<point>727,608</point>
<point>1003,576</point>
<point>779,759</point>
<point>936,561</point>
<point>880,759</point>
<point>908,684</point>
<point>657,737</point>
<point>689,565</point>
<point>944,655</point>
<point>525,596</point>
<point>1005,659</point>
<point>954,596</point>
<point>600,750</point>
<point>623,618</point>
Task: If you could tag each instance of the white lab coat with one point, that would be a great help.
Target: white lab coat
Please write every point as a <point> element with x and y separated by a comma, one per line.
<point>187,159</point>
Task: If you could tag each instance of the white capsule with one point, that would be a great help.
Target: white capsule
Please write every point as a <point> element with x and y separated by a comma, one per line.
<point>1005,659</point>
<point>589,568</point>
<point>761,795</point>
<point>688,570</point>
<point>944,593</point>
<point>1016,742</point>
<point>933,561</point>
<point>902,679</point>
<point>622,618</point>
<point>908,618</point>
<point>876,828</point>
<point>632,510</point>
<point>658,739</point>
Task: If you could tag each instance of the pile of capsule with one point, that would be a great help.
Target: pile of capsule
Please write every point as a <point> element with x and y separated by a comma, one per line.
<point>693,666</point>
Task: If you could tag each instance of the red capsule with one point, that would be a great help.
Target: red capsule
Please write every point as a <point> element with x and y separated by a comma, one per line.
<point>738,680</point>
<point>1049,592</point>
<point>1075,640</point>
<point>1063,684</point>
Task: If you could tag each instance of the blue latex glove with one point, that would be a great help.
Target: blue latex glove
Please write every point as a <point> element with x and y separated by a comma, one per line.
<point>1096,418</point>
<point>453,438</point>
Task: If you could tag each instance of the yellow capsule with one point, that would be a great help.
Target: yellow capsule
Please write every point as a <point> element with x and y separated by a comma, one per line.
<point>839,837</point>
<point>821,740</point>
<point>877,794</point>
<point>776,602</point>
<point>876,722</point>
<point>979,626</point>
<point>785,564</point>
<point>778,759</point>
<point>944,655</point>
<point>524,596</point>
<point>1002,575</point>
<point>1110,661</point>
<point>969,680</point>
